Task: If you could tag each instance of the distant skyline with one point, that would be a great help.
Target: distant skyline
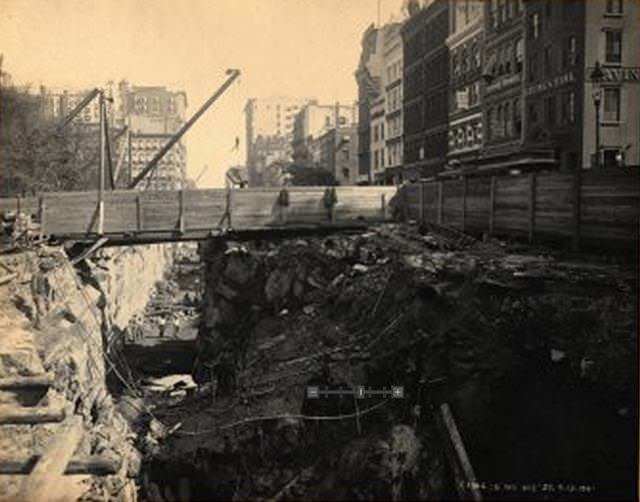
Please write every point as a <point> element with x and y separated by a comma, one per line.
<point>297,48</point>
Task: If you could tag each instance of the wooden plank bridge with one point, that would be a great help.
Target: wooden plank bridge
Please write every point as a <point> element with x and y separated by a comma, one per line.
<point>132,216</point>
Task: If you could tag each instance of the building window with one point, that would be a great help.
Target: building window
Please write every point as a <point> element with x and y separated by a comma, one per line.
<point>551,110</point>
<point>572,107</point>
<point>535,26</point>
<point>613,46</point>
<point>612,104</point>
<point>533,67</point>
<point>614,7</point>
<point>507,120</point>
<point>572,50</point>
<point>490,127</point>
<point>499,123</point>
<point>519,55</point>
<point>517,118</point>
<point>532,113</point>
<point>547,61</point>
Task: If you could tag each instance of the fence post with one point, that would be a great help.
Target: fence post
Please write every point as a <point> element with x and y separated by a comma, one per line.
<point>464,202</point>
<point>492,204</point>
<point>532,206</point>
<point>421,203</point>
<point>440,202</point>
<point>576,188</point>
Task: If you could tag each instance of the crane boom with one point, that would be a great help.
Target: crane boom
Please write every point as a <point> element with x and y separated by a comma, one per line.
<point>233,74</point>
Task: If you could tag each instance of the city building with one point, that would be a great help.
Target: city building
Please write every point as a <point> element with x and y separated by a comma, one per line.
<point>369,79</point>
<point>377,144</point>
<point>612,39</point>
<point>153,115</point>
<point>466,54</point>
<point>337,151</point>
<point>314,120</point>
<point>504,71</point>
<point>392,82</point>
<point>426,88</point>
<point>269,124</point>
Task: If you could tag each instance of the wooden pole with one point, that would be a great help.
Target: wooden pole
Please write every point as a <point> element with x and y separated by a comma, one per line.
<point>26,382</point>
<point>576,196</point>
<point>532,206</point>
<point>464,202</point>
<point>440,201</point>
<point>12,414</point>
<point>92,464</point>
<point>492,204</point>
<point>102,166</point>
<point>44,482</point>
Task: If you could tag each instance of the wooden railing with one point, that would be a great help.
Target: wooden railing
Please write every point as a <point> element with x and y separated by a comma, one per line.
<point>557,205</point>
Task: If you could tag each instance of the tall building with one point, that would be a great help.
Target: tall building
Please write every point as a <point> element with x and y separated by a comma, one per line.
<point>337,151</point>
<point>269,124</point>
<point>466,54</point>
<point>151,115</point>
<point>312,121</point>
<point>368,76</point>
<point>504,74</point>
<point>612,39</point>
<point>386,107</point>
<point>392,82</point>
<point>154,114</point>
<point>426,88</point>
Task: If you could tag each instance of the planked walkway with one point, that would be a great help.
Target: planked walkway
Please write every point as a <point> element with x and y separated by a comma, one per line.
<point>131,216</point>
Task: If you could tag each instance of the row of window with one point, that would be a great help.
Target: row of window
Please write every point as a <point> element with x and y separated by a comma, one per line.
<point>503,11</point>
<point>466,58</point>
<point>394,71</point>
<point>558,110</point>
<point>394,126</point>
<point>551,63</point>
<point>504,120</point>
<point>378,132</point>
<point>506,59</point>
<point>394,99</point>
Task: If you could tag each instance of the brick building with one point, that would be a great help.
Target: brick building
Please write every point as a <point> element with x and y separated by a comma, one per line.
<point>426,89</point>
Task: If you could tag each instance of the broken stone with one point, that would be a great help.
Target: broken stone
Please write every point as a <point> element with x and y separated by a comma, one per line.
<point>557,355</point>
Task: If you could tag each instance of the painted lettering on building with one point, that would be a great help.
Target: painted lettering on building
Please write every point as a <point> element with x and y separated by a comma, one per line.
<point>548,85</point>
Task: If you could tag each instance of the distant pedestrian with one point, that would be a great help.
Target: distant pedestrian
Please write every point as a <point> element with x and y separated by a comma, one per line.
<point>162,324</point>
<point>176,326</point>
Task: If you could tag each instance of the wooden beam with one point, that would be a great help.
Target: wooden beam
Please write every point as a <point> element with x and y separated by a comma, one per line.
<point>576,209</point>
<point>26,382</point>
<point>466,481</point>
<point>44,482</point>
<point>440,201</point>
<point>11,414</point>
<point>492,205</point>
<point>464,202</point>
<point>138,213</point>
<point>92,249</point>
<point>96,465</point>
<point>181,224</point>
<point>532,206</point>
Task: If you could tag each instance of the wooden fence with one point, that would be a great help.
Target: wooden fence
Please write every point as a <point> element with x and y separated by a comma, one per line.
<point>579,207</point>
<point>196,213</point>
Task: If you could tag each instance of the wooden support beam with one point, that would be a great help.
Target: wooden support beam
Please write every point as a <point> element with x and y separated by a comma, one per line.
<point>466,482</point>
<point>138,214</point>
<point>11,414</point>
<point>576,209</point>
<point>181,224</point>
<point>464,202</point>
<point>532,207</point>
<point>440,201</point>
<point>26,382</point>
<point>44,482</point>
<point>492,205</point>
<point>96,465</point>
<point>92,249</point>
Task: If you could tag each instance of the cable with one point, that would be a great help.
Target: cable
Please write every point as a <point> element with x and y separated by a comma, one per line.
<point>317,418</point>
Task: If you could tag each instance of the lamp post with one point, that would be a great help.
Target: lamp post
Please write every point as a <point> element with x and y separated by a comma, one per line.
<point>596,77</point>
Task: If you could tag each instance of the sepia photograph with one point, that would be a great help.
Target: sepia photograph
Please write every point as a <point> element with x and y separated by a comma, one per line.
<point>319,250</point>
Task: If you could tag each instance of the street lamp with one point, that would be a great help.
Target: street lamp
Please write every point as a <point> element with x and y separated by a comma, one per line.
<point>596,77</point>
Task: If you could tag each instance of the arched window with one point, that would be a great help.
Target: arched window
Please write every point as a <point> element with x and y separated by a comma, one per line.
<point>519,48</point>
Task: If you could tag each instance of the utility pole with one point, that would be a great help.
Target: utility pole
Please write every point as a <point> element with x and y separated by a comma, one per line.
<point>102,165</point>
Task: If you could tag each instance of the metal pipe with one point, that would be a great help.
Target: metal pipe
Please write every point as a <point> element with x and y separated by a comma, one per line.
<point>233,74</point>
<point>102,166</point>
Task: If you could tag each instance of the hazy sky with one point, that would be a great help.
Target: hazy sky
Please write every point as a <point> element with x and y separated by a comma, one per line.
<point>283,47</point>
